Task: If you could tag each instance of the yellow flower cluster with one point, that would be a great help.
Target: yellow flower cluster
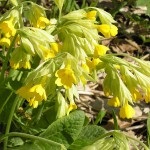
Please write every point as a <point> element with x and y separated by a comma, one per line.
<point>126,111</point>
<point>65,77</point>
<point>7,31</point>
<point>34,94</point>
<point>68,52</point>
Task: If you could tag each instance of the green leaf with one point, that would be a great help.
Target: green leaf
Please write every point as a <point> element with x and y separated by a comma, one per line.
<point>66,129</point>
<point>6,101</point>
<point>15,2</point>
<point>27,46</point>
<point>100,116</point>
<point>88,136</point>
<point>77,14</point>
<point>59,3</point>
<point>15,141</point>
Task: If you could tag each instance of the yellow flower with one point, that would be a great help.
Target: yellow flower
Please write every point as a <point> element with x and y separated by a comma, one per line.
<point>71,107</point>
<point>20,64</point>
<point>126,111</point>
<point>136,94</point>
<point>108,30</point>
<point>65,77</point>
<point>91,15</point>
<point>114,102</point>
<point>100,50</point>
<point>7,28</point>
<point>25,65</point>
<point>46,53</point>
<point>42,22</point>
<point>55,47</point>
<point>13,64</point>
<point>33,94</point>
<point>5,41</point>
<point>92,63</point>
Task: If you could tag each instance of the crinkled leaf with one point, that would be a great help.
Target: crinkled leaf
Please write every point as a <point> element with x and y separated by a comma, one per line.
<point>66,129</point>
<point>88,136</point>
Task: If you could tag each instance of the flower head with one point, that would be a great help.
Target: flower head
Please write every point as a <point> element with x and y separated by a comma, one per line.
<point>91,15</point>
<point>46,53</point>
<point>33,94</point>
<point>92,63</point>
<point>7,28</point>
<point>100,50</point>
<point>20,64</point>
<point>5,41</point>
<point>42,22</point>
<point>126,111</point>
<point>55,47</point>
<point>136,94</point>
<point>65,77</point>
<point>114,102</point>
<point>108,30</point>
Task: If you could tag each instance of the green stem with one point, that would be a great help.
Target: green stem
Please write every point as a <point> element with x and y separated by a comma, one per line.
<point>29,136</point>
<point>9,121</point>
<point>5,102</point>
<point>4,67</point>
<point>38,115</point>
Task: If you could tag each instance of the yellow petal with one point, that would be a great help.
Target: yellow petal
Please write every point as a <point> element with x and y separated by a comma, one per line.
<point>91,15</point>
<point>108,30</point>
<point>100,50</point>
<point>5,42</point>
<point>126,111</point>
<point>42,22</point>
<point>114,102</point>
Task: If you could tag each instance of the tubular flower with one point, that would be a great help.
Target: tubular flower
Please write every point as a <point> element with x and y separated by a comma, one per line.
<point>100,50</point>
<point>7,28</point>
<point>5,41</point>
<point>46,53</point>
<point>55,47</point>
<point>20,64</point>
<point>65,77</point>
<point>108,30</point>
<point>71,107</point>
<point>91,15</point>
<point>136,94</point>
<point>114,102</point>
<point>126,111</point>
<point>92,63</point>
<point>33,94</point>
<point>42,22</point>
